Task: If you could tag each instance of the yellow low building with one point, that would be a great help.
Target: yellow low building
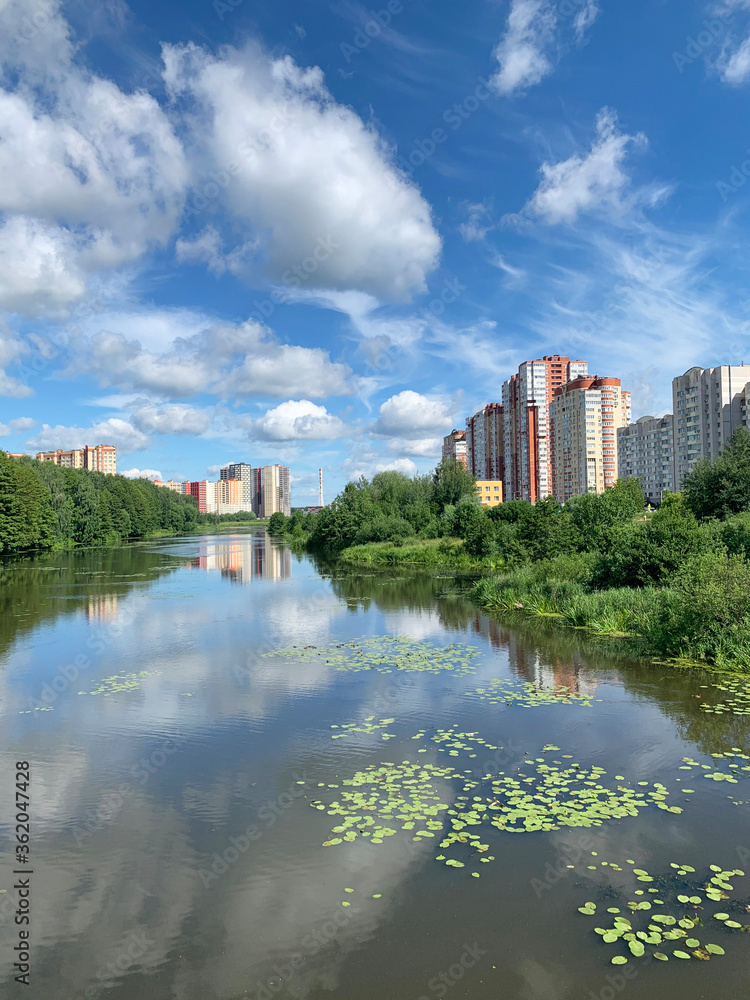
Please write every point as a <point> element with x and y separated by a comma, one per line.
<point>490,492</point>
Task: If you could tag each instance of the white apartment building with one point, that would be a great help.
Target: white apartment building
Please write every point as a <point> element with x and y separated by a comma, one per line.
<point>708,409</point>
<point>646,451</point>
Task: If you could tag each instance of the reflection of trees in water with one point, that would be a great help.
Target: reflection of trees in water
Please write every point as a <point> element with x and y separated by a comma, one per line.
<point>41,589</point>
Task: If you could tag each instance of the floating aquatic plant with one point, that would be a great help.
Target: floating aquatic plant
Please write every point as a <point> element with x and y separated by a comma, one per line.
<point>678,926</point>
<point>118,683</point>
<point>724,767</point>
<point>736,701</point>
<point>386,654</point>
<point>386,798</point>
<point>529,694</point>
<point>370,725</point>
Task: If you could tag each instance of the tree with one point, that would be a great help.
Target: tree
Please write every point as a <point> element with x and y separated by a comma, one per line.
<point>721,488</point>
<point>277,524</point>
<point>450,482</point>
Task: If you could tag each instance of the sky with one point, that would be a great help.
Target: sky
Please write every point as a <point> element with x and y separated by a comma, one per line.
<point>324,233</point>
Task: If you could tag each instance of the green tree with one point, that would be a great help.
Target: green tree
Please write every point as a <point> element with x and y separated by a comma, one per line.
<point>721,487</point>
<point>277,524</point>
<point>450,482</point>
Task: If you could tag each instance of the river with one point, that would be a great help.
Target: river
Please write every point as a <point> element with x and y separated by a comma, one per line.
<point>183,775</point>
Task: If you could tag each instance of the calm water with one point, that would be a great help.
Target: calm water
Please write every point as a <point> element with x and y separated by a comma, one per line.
<point>137,794</point>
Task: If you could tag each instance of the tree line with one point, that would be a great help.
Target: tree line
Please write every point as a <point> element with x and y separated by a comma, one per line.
<point>44,506</point>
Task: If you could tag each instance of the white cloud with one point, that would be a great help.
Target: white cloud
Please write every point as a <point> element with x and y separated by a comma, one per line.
<point>476,226</point>
<point>588,183</point>
<point>522,52</point>
<point>4,430</point>
<point>191,353</point>
<point>22,424</point>
<point>404,465</point>
<point>176,418</point>
<point>312,181</point>
<point>586,17</point>
<point>142,474</point>
<point>12,349</point>
<point>298,420</point>
<point>409,414</point>
<point>112,431</point>
<point>92,176</point>
<point>733,62</point>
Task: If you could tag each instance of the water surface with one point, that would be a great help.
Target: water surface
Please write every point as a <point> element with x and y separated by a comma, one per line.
<point>143,791</point>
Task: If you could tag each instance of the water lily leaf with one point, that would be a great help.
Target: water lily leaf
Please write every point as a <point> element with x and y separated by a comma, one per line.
<point>680,954</point>
<point>660,956</point>
<point>715,949</point>
<point>619,960</point>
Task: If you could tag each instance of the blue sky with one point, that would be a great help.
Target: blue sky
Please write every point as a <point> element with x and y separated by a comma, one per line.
<point>322,233</point>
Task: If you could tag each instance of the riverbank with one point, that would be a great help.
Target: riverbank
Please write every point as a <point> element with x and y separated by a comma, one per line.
<point>448,553</point>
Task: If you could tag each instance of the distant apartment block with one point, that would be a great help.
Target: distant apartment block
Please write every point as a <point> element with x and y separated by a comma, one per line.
<point>490,492</point>
<point>645,450</point>
<point>272,490</point>
<point>244,473</point>
<point>708,409</point>
<point>170,484</point>
<point>528,448</point>
<point>454,448</point>
<point>204,493</point>
<point>100,458</point>
<point>585,415</point>
<point>485,443</point>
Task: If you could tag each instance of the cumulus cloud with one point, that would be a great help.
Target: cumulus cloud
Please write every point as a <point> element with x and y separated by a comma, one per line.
<point>92,176</point>
<point>589,183</point>
<point>20,424</point>
<point>191,353</point>
<point>12,349</point>
<point>112,431</point>
<point>523,51</point>
<point>404,465</point>
<point>142,474</point>
<point>175,418</point>
<point>310,179</point>
<point>411,415</point>
<point>298,420</point>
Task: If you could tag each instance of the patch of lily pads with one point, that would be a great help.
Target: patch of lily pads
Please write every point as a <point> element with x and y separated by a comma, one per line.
<point>529,695</point>
<point>384,799</point>
<point>736,700</point>
<point>725,766</point>
<point>119,683</point>
<point>369,726</point>
<point>684,919</point>
<point>386,654</point>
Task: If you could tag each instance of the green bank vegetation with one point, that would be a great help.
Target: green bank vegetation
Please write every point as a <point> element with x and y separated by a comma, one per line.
<point>43,507</point>
<point>674,584</point>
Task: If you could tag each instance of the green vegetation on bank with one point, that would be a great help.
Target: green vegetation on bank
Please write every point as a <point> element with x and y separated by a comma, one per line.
<point>673,584</point>
<point>44,507</point>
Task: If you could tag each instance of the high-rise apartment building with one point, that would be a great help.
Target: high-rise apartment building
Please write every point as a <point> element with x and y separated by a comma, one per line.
<point>205,495</point>
<point>454,448</point>
<point>585,415</point>
<point>171,484</point>
<point>100,458</point>
<point>707,412</point>
<point>229,491</point>
<point>272,490</point>
<point>244,473</point>
<point>528,445</point>
<point>645,450</point>
<point>485,444</point>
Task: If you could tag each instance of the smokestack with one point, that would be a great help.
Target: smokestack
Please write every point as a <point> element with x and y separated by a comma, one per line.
<point>320,487</point>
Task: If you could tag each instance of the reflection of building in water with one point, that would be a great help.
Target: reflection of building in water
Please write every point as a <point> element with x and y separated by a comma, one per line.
<point>102,606</point>
<point>243,559</point>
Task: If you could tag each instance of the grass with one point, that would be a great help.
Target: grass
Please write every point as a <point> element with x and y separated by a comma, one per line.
<point>432,552</point>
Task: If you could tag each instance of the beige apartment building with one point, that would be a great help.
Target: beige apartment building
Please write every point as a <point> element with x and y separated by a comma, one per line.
<point>645,450</point>
<point>454,448</point>
<point>100,458</point>
<point>585,415</point>
<point>528,452</point>
<point>272,490</point>
<point>485,444</point>
<point>708,409</point>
